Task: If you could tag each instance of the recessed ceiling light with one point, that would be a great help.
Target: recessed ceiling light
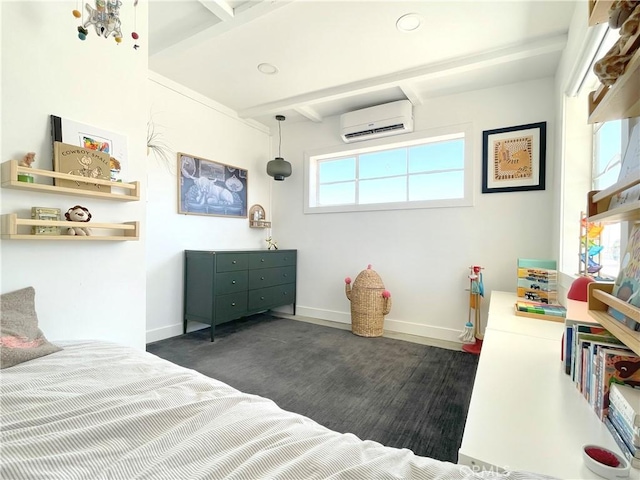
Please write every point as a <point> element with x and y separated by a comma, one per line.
<point>267,68</point>
<point>409,22</point>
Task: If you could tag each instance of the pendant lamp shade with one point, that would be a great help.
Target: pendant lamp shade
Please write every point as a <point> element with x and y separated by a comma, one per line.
<point>279,168</point>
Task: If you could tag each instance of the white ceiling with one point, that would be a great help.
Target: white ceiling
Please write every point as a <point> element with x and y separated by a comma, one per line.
<point>336,56</point>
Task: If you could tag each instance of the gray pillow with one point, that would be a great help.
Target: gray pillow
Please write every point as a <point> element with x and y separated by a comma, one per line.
<point>20,338</point>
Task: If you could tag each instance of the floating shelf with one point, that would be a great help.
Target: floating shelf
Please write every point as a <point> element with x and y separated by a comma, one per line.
<point>127,192</point>
<point>262,223</point>
<point>598,203</point>
<point>12,228</point>
<point>600,299</point>
<point>622,99</point>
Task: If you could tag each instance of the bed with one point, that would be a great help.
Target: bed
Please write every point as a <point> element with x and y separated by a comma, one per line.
<point>98,410</point>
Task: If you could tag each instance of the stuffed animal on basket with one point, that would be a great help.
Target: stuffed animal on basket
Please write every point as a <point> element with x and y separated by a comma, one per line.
<point>78,214</point>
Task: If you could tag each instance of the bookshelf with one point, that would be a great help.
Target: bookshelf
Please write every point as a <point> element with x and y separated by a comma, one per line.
<point>621,100</point>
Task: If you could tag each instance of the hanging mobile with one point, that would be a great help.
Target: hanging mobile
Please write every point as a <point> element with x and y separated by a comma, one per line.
<point>82,32</point>
<point>134,34</point>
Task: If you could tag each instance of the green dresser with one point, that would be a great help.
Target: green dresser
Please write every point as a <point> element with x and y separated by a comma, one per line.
<point>224,285</point>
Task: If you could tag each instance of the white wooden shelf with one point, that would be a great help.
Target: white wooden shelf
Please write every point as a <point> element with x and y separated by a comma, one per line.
<point>127,192</point>
<point>13,228</point>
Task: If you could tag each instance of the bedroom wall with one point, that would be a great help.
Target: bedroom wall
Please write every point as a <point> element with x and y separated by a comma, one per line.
<point>422,255</point>
<point>190,123</point>
<point>83,289</point>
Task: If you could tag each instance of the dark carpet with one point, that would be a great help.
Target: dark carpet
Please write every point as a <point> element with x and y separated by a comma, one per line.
<point>398,393</point>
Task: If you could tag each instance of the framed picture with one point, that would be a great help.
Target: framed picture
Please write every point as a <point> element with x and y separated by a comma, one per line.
<point>93,138</point>
<point>210,188</point>
<point>513,158</point>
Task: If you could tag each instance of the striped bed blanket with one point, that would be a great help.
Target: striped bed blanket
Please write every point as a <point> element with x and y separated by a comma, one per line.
<point>97,410</point>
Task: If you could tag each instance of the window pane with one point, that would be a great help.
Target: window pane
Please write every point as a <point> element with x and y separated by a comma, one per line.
<point>383,164</point>
<point>337,170</point>
<point>607,154</point>
<point>436,186</point>
<point>437,156</point>
<point>337,194</point>
<point>385,190</point>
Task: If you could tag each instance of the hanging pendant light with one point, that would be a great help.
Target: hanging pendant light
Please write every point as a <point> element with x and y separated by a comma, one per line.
<point>279,168</point>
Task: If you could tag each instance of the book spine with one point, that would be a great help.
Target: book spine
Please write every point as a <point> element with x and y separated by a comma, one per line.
<point>618,439</point>
<point>624,429</point>
<point>627,411</point>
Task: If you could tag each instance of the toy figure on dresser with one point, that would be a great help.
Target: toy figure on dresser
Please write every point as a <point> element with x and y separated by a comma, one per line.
<point>78,214</point>
<point>271,244</point>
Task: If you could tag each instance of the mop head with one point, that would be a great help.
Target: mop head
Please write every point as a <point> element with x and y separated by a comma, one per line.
<point>467,336</point>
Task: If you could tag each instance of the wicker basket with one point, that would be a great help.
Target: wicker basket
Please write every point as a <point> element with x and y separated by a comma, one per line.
<point>368,304</point>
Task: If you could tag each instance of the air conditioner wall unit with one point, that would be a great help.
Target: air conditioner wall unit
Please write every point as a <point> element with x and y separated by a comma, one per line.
<point>374,122</point>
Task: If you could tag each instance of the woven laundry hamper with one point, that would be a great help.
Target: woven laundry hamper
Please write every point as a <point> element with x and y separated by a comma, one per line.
<point>370,302</point>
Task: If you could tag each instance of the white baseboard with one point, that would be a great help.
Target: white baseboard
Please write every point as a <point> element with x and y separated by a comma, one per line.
<point>423,333</point>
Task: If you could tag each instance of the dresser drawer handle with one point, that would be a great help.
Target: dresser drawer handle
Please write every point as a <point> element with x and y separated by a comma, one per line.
<point>284,274</point>
<point>233,304</point>
<point>234,262</point>
<point>261,298</point>
<point>284,293</point>
<point>233,282</point>
<point>261,278</point>
<point>262,259</point>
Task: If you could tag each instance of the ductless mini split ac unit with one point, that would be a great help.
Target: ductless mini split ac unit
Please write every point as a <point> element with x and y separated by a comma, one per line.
<point>374,122</point>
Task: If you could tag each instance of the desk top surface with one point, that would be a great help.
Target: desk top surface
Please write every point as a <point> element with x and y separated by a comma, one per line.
<point>525,413</point>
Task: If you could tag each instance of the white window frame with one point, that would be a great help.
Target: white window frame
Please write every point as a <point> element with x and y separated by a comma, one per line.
<point>311,158</point>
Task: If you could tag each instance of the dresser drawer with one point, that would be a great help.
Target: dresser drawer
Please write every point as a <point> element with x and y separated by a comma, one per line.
<point>261,299</point>
<point>231,306</point>
<point>230,262</point>
<point>284,294</point>
<point>272,259</point>
<point>268,277</point>
<point>229,282</point>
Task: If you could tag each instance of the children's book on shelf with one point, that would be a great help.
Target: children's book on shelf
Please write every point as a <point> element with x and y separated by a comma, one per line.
<point>537,280</point>
<point>629,434</point>
<point>629,168</point>
<point>84,163</point>
<point>571,325</point>
<point>617,366</point>
<point>627,400</point>
<point>627,284</point>
<point>633,460</point>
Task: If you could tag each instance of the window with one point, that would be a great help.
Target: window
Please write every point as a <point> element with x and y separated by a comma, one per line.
<point>607,148</point>
<point>424,169</point>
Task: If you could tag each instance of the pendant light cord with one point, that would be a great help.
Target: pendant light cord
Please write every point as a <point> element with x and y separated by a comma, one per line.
<point>279,138</point>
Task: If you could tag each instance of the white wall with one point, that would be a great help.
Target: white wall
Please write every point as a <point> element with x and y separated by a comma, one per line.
<point>422,255</point>
<point>83,289</point>
<point>190,123</point>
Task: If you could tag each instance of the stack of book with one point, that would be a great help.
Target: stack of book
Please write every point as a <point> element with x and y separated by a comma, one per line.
<point>595,359</point>
<point>623,420</point>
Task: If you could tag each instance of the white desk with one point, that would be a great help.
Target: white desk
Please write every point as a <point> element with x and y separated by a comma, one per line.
<point>525,413</point>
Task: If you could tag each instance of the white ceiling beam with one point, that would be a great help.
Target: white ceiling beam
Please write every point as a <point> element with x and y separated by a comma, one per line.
<point>219,8</point>
<point>241,17</point>
<point>309,113</point>
<point>466,64</point>
<point>411,93</point>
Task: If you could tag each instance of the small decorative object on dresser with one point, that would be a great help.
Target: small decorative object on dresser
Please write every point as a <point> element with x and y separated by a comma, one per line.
<point>258,217</point>
<point>78,214</point>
